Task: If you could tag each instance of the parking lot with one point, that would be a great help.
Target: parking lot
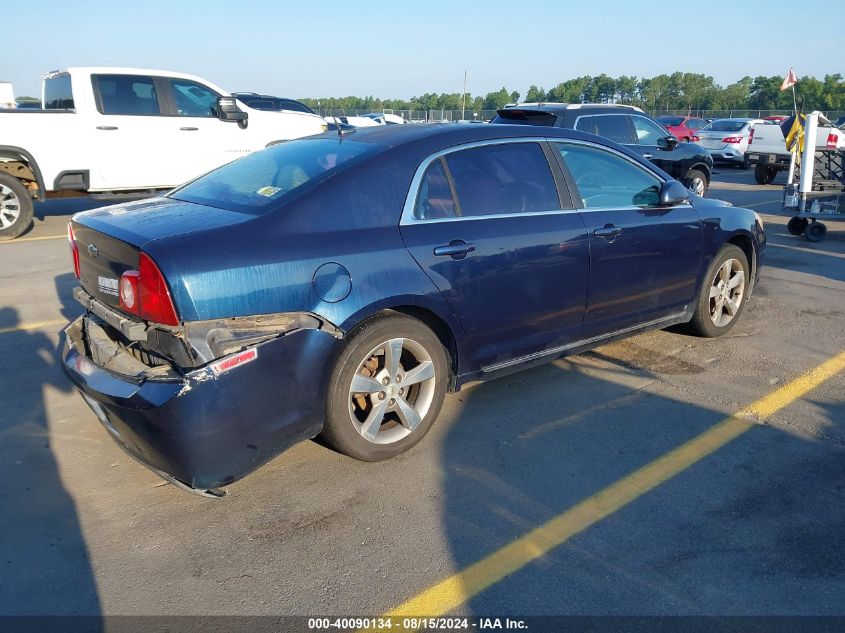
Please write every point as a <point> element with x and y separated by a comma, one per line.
<point>652,498</point>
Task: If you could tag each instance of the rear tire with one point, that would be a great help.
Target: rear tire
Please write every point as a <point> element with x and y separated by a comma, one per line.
<point>796,225</point>
<point>380,403</point>
<point>764,174</point>
<point>723,293</point>
<point>15,207</point>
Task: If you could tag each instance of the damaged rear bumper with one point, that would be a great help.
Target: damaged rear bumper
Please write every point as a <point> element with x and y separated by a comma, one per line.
<point>204,428</point>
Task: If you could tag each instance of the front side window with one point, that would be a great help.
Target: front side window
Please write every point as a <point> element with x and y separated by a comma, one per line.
<point>647,131</point>
<point>193,99</point>
<point>127,94</point>
<point>502,179</point>
<point>256,183</point>
<point>58,94</point>
<point>607,180</point>
<point>615,127</point>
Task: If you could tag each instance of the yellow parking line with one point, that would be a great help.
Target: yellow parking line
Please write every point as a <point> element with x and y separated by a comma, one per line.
<point>32,326</point>
<point>460,587</point>
<point>34,239</point>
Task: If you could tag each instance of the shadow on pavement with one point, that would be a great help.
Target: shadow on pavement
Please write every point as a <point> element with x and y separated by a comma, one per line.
<point>45,561</point>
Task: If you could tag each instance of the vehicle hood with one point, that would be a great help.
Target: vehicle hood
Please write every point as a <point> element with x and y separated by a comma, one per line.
<point>140,222</point>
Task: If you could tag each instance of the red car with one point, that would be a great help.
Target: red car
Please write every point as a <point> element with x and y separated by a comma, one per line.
<point>777,118</point>
<point>684,128</point>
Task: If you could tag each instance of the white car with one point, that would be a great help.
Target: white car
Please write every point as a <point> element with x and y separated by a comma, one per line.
<point>127,129</point>
<point>383,118</point>
<point>727,139</point>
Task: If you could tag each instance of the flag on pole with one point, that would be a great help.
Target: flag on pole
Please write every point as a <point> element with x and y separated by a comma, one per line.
<point>790,80</point>
<point>795,136</point>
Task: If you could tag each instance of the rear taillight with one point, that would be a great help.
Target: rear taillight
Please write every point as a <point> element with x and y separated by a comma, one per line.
<point>74,249</point>
<point>751,136</point>
<point>695,139</point>
<point>831,141</point>
<point>732,139</point>
<point>144,292</point>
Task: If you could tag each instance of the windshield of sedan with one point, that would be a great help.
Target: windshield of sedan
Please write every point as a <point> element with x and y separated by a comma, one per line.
<point>670,120</point>
<point>725,125</point>
<point>255,183</point>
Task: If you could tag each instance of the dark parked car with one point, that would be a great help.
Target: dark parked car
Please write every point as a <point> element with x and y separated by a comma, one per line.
<point>342,285</point>
<point>627,125</point>
<point>268,102</point>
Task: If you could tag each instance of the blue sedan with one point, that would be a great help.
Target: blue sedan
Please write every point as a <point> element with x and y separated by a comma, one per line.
<point>341,285</point>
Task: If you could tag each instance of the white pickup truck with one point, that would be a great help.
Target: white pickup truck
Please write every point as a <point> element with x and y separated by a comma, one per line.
<point>126,129</point>
<point>767,147</point>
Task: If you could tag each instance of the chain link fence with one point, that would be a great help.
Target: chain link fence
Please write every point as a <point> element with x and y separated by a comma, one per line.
<point>451,116</point>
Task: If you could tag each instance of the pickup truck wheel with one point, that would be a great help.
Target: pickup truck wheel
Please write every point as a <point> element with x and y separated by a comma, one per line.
<point>15,207</point>
<point>386,389</point>
<point>764,174</point>
<point>696,182</point>
<point>722,294</point>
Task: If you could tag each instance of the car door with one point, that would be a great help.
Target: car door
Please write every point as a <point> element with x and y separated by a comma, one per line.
<point>493,227</point>
<point>132,136</point>
<point>652,145</point>
<point>644,258</point>
<point>201,140</point>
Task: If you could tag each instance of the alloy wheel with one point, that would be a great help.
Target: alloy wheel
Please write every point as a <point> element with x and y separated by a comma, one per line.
<point>10,207</point>
<point>726,292</point>
<point>698,187</point>
<point>392,390</point>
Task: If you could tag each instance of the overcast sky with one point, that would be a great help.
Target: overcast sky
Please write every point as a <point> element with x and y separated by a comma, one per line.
<point>403,48</point>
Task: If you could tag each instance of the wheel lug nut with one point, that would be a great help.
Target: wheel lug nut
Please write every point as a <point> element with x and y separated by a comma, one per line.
<point>384,381</point>
<point>399,378</point>
<point>391,402</point>
<point>381,395</point>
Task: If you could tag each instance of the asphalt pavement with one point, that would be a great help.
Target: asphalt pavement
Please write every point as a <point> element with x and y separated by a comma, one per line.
<point>752,525</point>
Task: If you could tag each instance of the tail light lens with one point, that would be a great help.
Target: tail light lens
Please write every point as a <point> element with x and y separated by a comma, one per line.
<point>831,141</point>
<point>751,136</point>
<point>144,292</point>
<point>732,139</point>
<point>695,138</point>
<point>74,249</point>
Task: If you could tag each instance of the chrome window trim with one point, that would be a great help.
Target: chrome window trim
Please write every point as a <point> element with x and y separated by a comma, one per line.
<point>408,218</point>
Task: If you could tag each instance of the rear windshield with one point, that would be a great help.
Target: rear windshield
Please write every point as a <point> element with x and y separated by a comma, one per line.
<point>525,117</point>
<point>670,120</point>
<point>724,125</point>
<point>255,183</point>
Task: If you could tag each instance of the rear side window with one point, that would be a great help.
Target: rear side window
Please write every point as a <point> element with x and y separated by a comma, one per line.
<point>606,180</point>
<point>696,124</point>
<point>500,179</point>
<point>58,94</point>
<point>126,94</point>
<point>434,200</point>
<point>616,127</point>
<point>256,183</point>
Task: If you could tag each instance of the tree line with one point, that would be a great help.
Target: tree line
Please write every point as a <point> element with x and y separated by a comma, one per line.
<point>680,92</point>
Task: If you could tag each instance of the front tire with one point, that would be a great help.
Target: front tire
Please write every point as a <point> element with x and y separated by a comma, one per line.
<point>696,182</point>
<point>15,207</point>
<point>723,293</point>
<point>386,388</point>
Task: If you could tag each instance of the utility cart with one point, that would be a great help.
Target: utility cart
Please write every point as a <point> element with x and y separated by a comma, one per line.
<point>820,193</point>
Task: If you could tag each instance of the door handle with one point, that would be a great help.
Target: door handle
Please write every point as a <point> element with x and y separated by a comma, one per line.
<point>609,232</point>
<point>456,249</point>
<point>106,127</point>
<point>189,129</point>
<point>648,156</point>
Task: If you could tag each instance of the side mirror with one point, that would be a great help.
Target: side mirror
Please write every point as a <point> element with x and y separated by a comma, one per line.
<point>672,193</point>
<point>667,142</point>
<point>227,110</point>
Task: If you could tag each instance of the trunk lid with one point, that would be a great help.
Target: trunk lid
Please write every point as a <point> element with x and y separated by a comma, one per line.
<point>110,239</point>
